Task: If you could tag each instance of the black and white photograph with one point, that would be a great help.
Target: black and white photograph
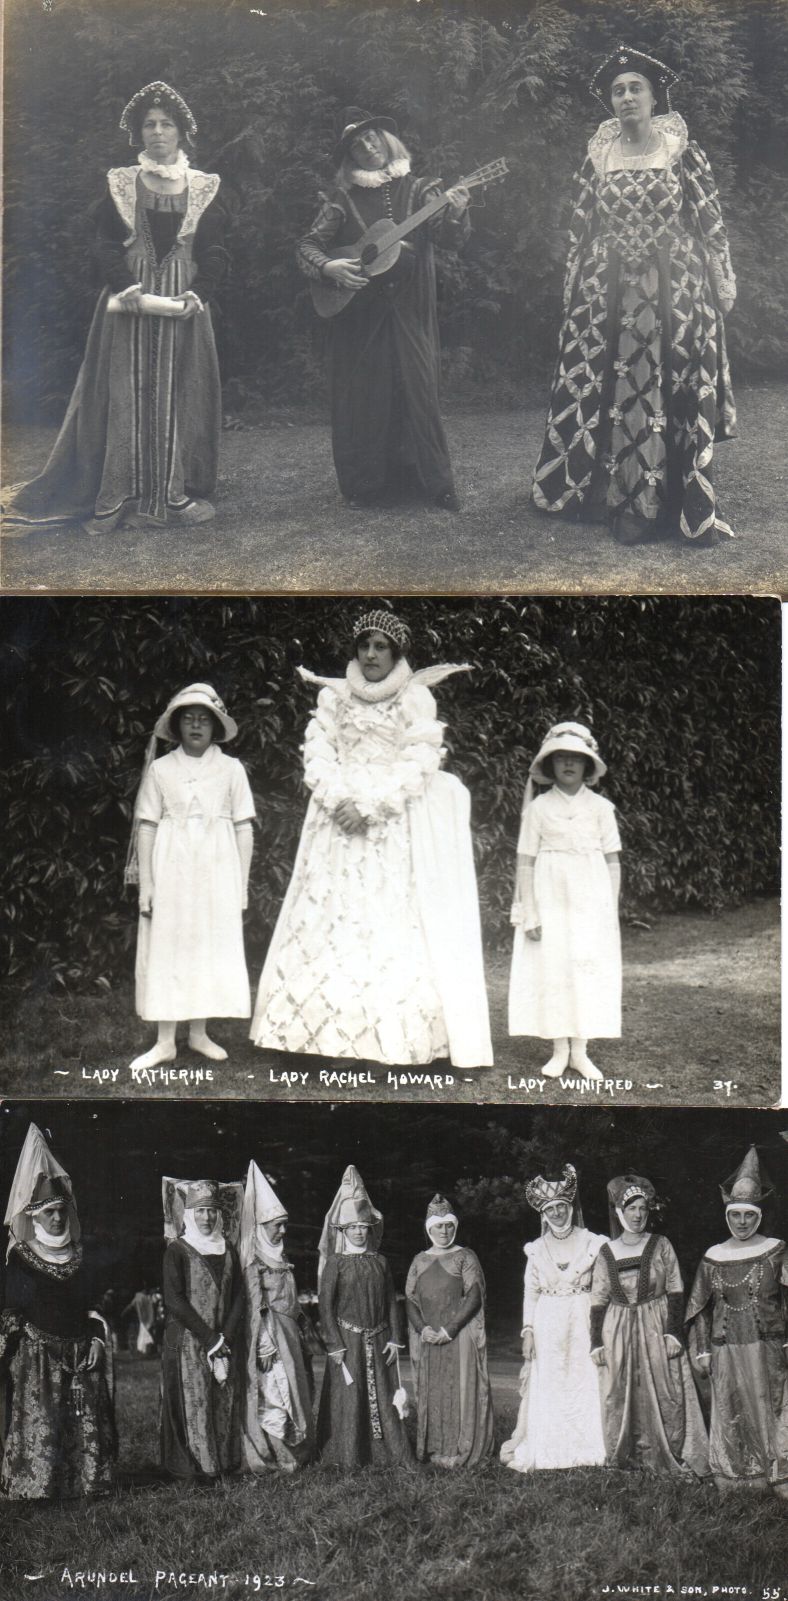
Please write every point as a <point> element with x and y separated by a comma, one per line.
<point>428,294</point>
<point>493,849</point>
<point>383,1351</point>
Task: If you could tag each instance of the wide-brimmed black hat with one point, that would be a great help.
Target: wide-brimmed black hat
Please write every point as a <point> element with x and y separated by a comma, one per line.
<point>626,59</point>
<point>356,121</point>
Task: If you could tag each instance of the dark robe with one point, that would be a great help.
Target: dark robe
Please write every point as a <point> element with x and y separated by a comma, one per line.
<point>384,347</point>
<point>200,1418</point>
<point>357,1423</point>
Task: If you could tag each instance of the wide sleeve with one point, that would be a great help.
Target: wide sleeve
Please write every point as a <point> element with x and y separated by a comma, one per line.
<point>176,1300</point>
<point>149,805</point>
<point>313,251</point>
<point>705,215</point>
<point>532,1289</point>
<point>327,1299</point>
<point>322,768</point>
<point>609,837</point>
<point>384,790</point>
<point>234,1318</point>
<point>209,250</point>
<point>447,231</point>
<point>580,225</point>
<point>698,1316</point>
<point>241,799</point>
<point>108,245</point>
<point>472,1294</point>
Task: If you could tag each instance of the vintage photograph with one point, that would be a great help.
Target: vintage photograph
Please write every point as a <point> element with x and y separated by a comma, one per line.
<point>408,296</point>
<point>491,849</point>
<point>385,1351</point>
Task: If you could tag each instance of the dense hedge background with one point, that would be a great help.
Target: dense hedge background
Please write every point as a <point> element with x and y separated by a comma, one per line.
<point>467,80</point>
<point>682,694</point>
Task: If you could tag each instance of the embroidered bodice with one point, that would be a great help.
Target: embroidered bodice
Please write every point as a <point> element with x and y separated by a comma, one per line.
<point>744,1298</point>
<point>568,1272</point>
<point>378,754</point>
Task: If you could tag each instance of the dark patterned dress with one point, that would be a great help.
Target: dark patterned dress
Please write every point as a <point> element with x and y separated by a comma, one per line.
<point>455,1416</point>
<point>60,1440</point>
<point>738,1315</point>
<point>642,385</point>
<point>141,433</point>
<point>200,1418</point>
<point>357,1423</point>
<point>383,349</point>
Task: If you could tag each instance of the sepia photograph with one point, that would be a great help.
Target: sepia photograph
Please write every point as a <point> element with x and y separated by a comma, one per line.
<point>492,849</point>
<point>361,1352</point>
<point>415,296</point>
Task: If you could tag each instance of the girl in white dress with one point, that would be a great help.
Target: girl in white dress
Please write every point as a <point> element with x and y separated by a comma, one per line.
<point>565,982</point>
<point>191,856</point>
<point>560,1419</point>
<point>377,951</point>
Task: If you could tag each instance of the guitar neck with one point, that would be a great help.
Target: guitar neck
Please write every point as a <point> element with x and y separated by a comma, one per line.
<point>400,229</point>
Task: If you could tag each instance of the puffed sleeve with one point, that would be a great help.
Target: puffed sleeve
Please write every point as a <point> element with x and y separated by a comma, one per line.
<point>580,225</point>
<point>531,1291</point>
<point>530,831</point>
<point>211,257</point>
<point>609,837</point>
<point>703,205</point>
<point>241,798</point>
<point>108,245</point>
<point>322,768</point>
<point>149,804</point>
<point>312,252</point>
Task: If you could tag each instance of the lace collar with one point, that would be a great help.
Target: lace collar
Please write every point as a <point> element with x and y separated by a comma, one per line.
<point>354,683</point>
<point>375,180</point>
<point>668,142</point>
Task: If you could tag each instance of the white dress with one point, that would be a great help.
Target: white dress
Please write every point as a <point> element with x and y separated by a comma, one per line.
<point>569,982</point>
<point>560,1419</point>
<point>190,952</point>
<point>377,950</point>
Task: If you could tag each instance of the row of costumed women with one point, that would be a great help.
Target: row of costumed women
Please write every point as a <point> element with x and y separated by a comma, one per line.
<point>613,1362</point>
<point>377,950</point>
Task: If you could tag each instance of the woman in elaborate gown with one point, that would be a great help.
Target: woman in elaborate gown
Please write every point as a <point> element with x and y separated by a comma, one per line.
<point>642,386</point>
<point>203,1297</point>
<point>361,1408</point>
<point>139,444</point>
<point>377,951</point>
<point>56,1380</point>
<point>651,1414</point>
<point>277,1430</point>
<point>737,1316</point>
<point>444,1296</point>
<point>559,1423</point>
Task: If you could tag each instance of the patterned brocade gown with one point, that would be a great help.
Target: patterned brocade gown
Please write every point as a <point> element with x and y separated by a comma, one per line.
<point>642,387</point>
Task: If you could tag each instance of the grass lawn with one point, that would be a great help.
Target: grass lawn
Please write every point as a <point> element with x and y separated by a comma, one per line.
<point>415,1534</point>
<point>701,1028</point>
<point>282,526</point>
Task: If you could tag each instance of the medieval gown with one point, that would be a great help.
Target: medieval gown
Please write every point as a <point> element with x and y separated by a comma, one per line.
<point>445,1289</point>
<point>377,950</point>
<point>278,1405</point>
<point>358,1423</point>
<point>60,1440</point>
<point>560,1422</point>
<point>642,386</point>
<point>141,432</point>
<point>651,1416</point>
<point>738,1313</point>
<point>200,1418</point>
<point>384,347</point>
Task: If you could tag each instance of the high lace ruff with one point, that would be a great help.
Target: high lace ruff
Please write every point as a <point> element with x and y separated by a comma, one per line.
<point>375,180</point>
<point>173,170</point>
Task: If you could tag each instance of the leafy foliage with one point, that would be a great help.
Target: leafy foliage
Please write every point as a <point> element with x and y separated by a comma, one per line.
<point>682,694</point>
<point>476,79</point>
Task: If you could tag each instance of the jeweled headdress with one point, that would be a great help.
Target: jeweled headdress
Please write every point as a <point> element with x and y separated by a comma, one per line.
<point>157,94</point>
<point>383,622</point>
<point>624,57</point>
<point>539,1192</point>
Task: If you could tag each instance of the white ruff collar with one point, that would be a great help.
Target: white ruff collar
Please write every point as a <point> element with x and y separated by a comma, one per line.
<point>375,180</point>
<point>160,169</point>
<point>389,686</point>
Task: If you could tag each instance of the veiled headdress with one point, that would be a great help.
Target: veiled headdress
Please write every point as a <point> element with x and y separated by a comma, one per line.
<point>745,1187</point>
<point>351,1204</point>
<point>39,1179</point>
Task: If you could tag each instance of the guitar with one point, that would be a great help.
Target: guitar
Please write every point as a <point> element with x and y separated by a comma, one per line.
<point>378,250</point>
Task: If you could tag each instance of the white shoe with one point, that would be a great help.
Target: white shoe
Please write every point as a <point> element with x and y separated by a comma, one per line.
<point>581,1062</point>
<point>204,1046</point>
<point>157,1053</point>
<point>559,1061</point>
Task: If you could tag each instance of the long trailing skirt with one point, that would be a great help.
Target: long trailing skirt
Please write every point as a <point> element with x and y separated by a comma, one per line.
<point>141,432</point>
<point>60,1441</point>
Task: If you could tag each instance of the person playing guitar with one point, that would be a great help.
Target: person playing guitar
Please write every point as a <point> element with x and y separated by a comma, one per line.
<point>383,345</point>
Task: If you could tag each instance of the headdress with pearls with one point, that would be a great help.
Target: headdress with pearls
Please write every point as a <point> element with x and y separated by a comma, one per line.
<point>383,622</point>
<point>157,94</point>
<point>624,57</point>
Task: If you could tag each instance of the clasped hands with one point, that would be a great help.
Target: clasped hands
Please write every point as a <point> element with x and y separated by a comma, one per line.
<point>191,303</point>
<point>432,1336</point>
<point>349,817</point>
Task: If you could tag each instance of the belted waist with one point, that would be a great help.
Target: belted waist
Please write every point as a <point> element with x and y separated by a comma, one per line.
<point>354,1329</point>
